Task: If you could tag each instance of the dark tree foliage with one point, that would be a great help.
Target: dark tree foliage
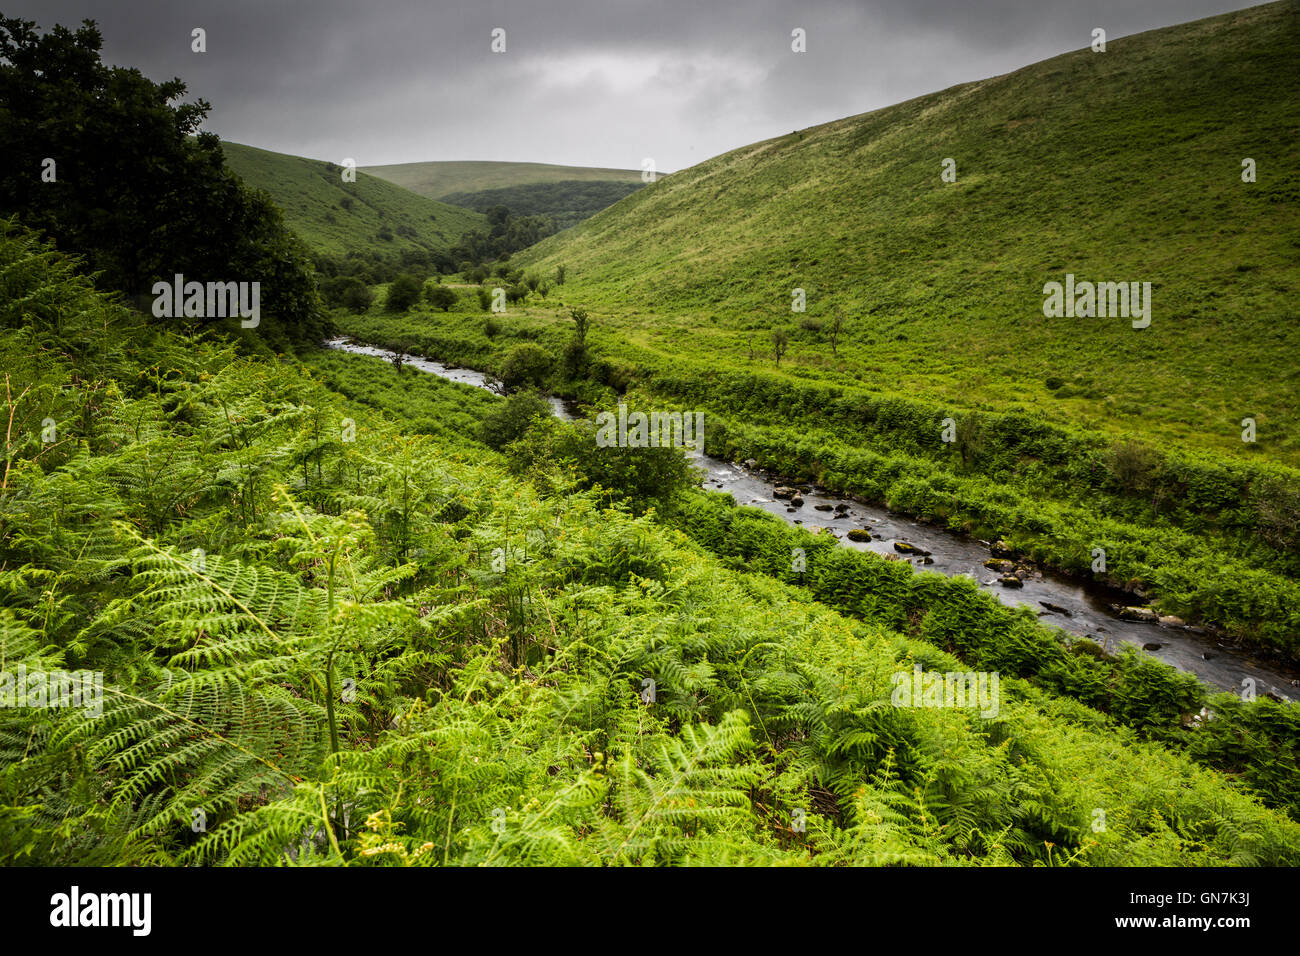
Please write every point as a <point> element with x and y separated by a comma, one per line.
<point>347,292</point>
<point>138,190</point>
<point>512,418</point>
<point>440,297</point>
<point>404,293</point>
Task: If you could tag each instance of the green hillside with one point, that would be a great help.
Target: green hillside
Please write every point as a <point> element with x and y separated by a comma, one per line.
<point>336,642</point>
<point>439,179</point>
<point>567,202</point>
<point>336,218</point>
<point>948,395</point>
<point>1117,166</point>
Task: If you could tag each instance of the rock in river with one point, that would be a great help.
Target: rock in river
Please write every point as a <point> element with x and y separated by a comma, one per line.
<point>1010,581</point>
<point>1143,614</point>
<point>859,534</point>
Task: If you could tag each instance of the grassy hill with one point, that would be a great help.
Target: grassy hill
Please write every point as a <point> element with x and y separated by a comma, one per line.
<point>1117,166</point>
<point>334,217</point>
<point>439,179</point>
<point>236,546</point>
<point>567,202</point>
<point>950,396</point>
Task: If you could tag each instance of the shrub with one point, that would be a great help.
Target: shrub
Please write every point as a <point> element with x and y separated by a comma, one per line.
<point>512,418</point>
<point>403,293</point>
<point>526,365</point>
<point>440,297</point>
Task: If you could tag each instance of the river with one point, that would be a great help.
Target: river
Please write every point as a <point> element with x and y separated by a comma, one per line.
<point>1084,608</point>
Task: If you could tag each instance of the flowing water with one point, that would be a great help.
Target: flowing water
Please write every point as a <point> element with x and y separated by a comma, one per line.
<point>1080,608</point>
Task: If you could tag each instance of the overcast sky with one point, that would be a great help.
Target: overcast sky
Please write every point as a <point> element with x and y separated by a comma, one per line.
<point>583,82</point>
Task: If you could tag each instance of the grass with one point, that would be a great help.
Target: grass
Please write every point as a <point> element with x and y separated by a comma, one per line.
<point>1124,165</point>
<point>438,179</point>
<point>336,218</point>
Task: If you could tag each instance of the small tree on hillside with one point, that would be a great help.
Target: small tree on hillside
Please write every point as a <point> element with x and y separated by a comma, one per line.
<point>403,293</point>
<point>580,325</point>
<point>780,342</point>
<point>833,332</point>
<point>440,297</point>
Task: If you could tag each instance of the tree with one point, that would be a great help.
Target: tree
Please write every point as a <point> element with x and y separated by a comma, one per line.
<point>559,274</point>
<point>526,364</point>
<point>780,342</point>
<point>512,418</point>
<point>440,297</point>
<point>833,332</point>
<point>138,189</point>
<point>403,293</point>
<point>347,292</point>
<point>401,352</point>
<point>580,324</point>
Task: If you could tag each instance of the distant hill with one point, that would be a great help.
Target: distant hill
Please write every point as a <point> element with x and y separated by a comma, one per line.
<point>1122,166</point>
<point>567,202</point>
<point>370,216</point>
<point>437,180</point>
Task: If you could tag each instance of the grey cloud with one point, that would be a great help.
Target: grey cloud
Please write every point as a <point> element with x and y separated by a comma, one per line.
<point>589,82</point>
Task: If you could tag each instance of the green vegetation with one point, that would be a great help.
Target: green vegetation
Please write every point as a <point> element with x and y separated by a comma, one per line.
<point>343,643</point>
<point>369,222</point>
<point>437,180</point>
<point>1117,166</point>
<point>565,203</point>
<point>924,304</point>
<point>75,131</point>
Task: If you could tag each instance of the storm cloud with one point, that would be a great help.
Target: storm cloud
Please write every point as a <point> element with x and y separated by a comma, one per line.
<point>591,82</point>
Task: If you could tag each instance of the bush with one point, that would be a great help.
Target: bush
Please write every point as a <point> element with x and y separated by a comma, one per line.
<point>440,297</point>
<point>511,419</point>
<point>347,292</point>
<point>526,365</point>
<point>641,477</point>
<point>403,293</point>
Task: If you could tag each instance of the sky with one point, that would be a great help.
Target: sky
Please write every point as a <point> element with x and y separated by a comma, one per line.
<point>582,82</point>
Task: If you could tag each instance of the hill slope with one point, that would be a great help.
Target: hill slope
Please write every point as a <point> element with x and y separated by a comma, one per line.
<point>1117,166</point>
<point>567,202</point>
<point>439,179</point>
<point>336,218</point>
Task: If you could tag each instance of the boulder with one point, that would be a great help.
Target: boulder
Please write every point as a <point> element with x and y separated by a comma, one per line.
<point>1143,614</point>
<point>859,534</point>
<point>783,491</point>
<point>797,500</point>
<point>1000,549</point>
<point>822,507</point>
<point>902,547</point>
<point>1001,565</point>
<point>841,507</point>
<point>1170,620</point>
<point>751,464</point>
<point>1056,608</point>
<point>1010,581</point>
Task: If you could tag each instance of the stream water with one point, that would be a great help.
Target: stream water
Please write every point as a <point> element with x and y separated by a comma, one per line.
<point>1081,608</point>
